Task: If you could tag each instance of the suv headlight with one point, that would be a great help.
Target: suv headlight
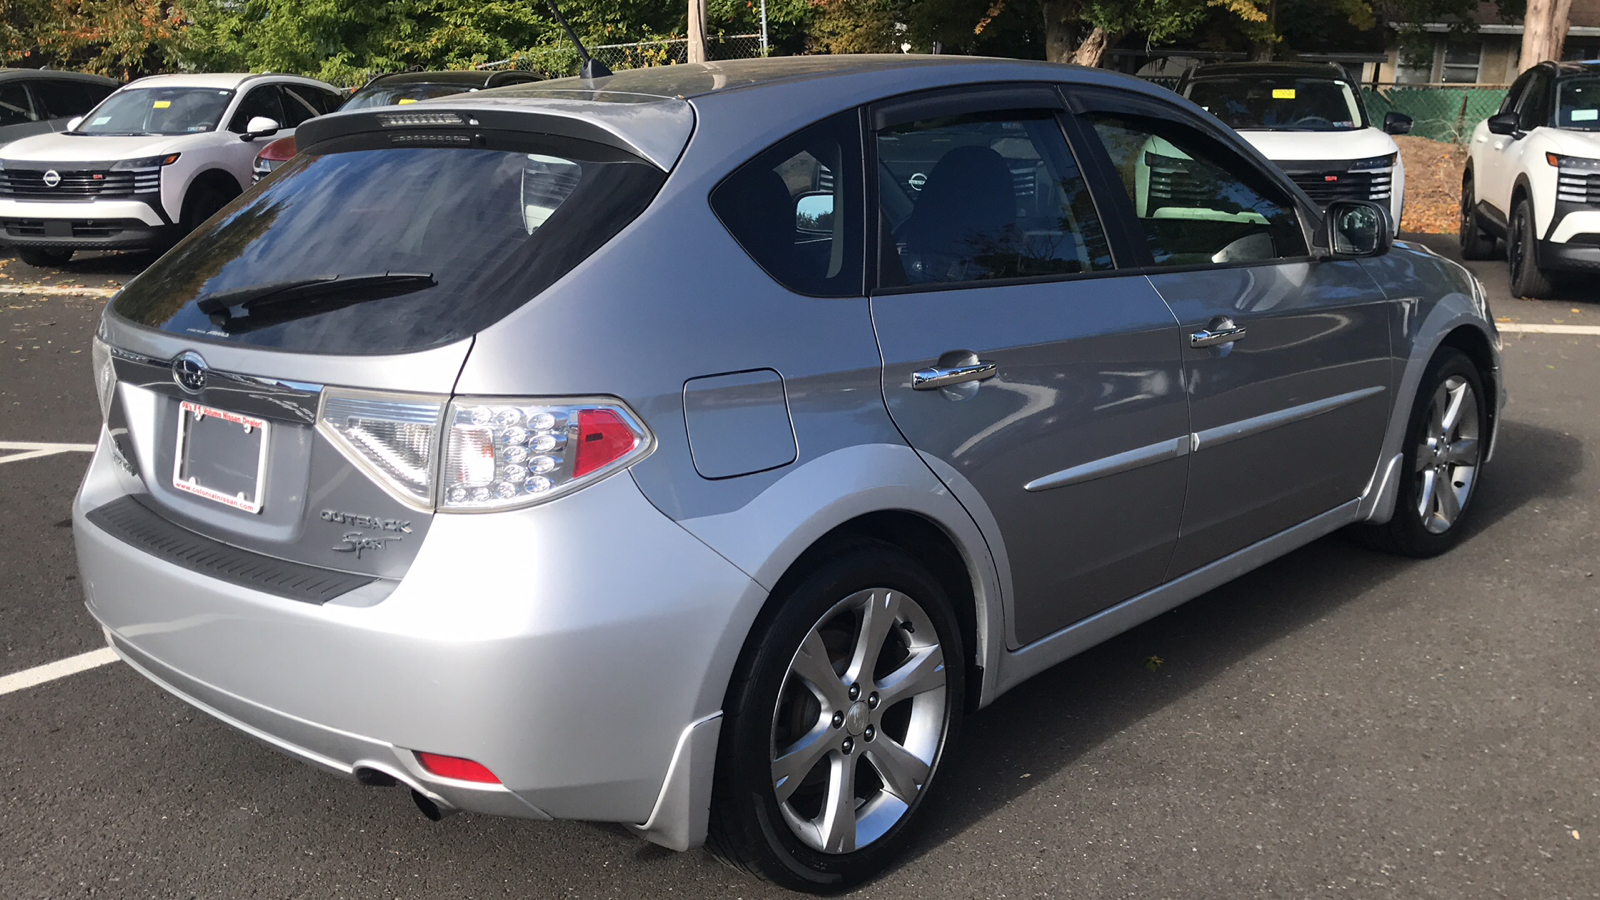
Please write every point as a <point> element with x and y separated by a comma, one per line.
<point>1571,162</point>
<point>148,162</point>
<point>1374,162</point>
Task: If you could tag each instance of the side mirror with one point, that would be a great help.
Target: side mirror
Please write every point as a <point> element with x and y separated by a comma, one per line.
<point>1356,228</point>
<point>260,126</point>
<point>1504,123</point>
<point>813,213</point>
<point>1397,123</point>
<point>74,122</point>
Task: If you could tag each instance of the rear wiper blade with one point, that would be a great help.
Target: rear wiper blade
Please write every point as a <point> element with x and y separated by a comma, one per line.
<point>281,301</point>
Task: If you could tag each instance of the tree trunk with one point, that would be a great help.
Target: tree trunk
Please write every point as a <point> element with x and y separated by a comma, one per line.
<point>1093,49</point>
<point>697,31</point>
<point>1544,30</point>
<point>1060,28</point>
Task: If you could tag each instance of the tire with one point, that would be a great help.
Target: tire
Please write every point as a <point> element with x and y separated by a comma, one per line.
<point>1444,448</point>
<point>851,732</point>
<point>202,204</point>
<point>44,257</point>
<point>1522,255</point>
<point>1475,244</point>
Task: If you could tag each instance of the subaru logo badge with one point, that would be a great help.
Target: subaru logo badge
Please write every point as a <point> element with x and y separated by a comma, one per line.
<point>189,371</point>
<point>52,178</point>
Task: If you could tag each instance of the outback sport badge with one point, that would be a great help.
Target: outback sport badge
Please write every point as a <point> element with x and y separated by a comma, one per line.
<point>189,371</point>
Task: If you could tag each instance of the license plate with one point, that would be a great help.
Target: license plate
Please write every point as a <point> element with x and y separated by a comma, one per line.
<point>221,456</point>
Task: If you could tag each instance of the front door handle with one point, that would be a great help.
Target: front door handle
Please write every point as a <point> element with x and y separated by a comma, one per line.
<point>935,377</point>
<point>1224,333</point>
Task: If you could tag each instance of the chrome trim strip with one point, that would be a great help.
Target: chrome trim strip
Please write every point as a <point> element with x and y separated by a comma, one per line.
<point>269,398</point>
<point>1115,464</point>
<point>1222,434</point>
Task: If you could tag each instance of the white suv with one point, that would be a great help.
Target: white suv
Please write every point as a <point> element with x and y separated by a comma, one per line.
<point>1534,178</point>
<point>1310,120</point>
<point>148,164</point>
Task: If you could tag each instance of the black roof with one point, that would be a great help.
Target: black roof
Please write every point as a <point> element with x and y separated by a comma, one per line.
<point>9,74</point>
<point>1578,67</point>
<point>1327,69</point>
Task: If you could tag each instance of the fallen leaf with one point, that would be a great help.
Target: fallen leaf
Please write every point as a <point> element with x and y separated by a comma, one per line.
<point>1153,663</point>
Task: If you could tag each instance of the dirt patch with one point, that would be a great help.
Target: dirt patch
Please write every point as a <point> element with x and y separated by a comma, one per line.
<point>1433,184</point>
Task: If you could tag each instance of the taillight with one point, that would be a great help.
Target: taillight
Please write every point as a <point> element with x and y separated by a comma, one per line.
<point>105,376</point>
<point>394,438</point>
<point>503,453</point>
<point>456,767</point>
<point>481,454</point>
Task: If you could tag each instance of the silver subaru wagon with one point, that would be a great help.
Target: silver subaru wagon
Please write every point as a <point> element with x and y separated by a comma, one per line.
<point>690,448</point>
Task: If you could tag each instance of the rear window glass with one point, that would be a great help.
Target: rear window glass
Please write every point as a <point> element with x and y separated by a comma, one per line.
<point>359,246</point>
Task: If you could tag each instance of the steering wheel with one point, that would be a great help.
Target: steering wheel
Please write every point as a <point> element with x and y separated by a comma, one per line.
<point>1312,122</point>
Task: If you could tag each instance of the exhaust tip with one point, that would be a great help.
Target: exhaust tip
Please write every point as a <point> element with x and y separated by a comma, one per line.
<point>375,778</point>
<point>434,811</point>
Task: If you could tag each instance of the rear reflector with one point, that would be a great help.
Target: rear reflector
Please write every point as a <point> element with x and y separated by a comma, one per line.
<point>456,767</point>
<point>603,438</point>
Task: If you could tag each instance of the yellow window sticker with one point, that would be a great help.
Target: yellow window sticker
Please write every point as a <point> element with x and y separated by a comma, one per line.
<point>1283,93</point>
<point>161,104</point>
<point>405,100</point>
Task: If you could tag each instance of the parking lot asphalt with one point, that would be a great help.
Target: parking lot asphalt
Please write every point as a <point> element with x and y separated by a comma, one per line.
<point>1337,724</point>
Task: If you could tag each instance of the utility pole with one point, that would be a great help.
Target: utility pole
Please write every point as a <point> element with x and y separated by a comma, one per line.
<point>1544,30</point>
<point>765,49</point>
<point>697,31</point>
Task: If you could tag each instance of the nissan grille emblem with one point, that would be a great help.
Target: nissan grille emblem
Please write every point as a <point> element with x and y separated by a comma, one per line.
<point>189,371</point>
<point>52,178</point>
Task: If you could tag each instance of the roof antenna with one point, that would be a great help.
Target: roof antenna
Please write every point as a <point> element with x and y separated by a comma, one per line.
<point>592,68</point>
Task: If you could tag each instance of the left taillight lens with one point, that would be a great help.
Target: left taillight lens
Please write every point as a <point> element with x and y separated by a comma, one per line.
<point>504,453</point>
<point>105,376</point>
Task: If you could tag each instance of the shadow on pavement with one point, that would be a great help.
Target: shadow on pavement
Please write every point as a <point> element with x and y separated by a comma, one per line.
<point>1049,722</point>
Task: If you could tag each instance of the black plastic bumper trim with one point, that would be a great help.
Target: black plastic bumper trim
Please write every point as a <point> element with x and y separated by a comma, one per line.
<point>131,522</point>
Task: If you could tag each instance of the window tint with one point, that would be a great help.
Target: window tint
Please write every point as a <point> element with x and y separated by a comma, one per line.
<point>297,106</point>
<point>14,106</point>
<point>1535,109</point>
<point>65,99</point>
<point>493,224</point>
<point>1509,104</point>
<point>796,209</point>
<point>1196,201</point>
<point>261,101</point>
<point>981,197</point>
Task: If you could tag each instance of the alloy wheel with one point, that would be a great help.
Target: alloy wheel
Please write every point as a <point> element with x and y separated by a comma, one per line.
<point>1448,457</point>
<point>859,721</point>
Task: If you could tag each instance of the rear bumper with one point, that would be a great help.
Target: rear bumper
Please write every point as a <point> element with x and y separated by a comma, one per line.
<point>568,647</point>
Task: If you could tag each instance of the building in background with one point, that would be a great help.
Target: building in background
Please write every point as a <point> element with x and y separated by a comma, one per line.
<point>1489,57</point>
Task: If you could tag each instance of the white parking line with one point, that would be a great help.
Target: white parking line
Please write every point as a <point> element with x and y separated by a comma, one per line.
<point>1518,327</point>
<point>35,449</point>
<point>56,290</point>
<point>61,668</point>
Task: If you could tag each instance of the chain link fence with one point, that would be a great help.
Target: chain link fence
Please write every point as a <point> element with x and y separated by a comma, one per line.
<point>560,61</point>
<point>1440,112</point>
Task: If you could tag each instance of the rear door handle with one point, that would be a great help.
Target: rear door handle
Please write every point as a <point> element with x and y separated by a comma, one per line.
<point>935,377</point>
<point>1222,334</point>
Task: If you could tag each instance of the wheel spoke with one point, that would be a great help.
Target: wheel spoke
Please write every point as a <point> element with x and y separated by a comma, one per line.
<point>1425,503</point>
<point>1452,414</point>
<point>1463,452</point>
<point>1424,456</point>
<point>877,617</point>
<point>1436,412</point>
<point>796,762</point>
<point>811,664</point>
<point>1449,503</point>
<point>903,772</point>
<point>838,824</point>
<point>923,672</point>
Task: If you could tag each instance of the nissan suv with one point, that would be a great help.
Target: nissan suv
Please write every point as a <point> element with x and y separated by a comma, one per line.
<point>1533,178</point>
<point>1311,120</point>
<point>148,164</point>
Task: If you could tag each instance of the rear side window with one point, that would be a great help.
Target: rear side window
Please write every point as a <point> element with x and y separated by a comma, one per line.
<point>14,106</point>
<point>65,99</point>
<point>435,242</point>
<point>796,209</point>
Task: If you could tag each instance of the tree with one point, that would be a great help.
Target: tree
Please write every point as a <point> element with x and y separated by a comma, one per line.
<point>123,38</point>
<point>1544,30</point>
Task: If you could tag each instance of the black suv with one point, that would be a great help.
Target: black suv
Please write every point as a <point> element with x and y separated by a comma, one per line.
<point>37,101</point>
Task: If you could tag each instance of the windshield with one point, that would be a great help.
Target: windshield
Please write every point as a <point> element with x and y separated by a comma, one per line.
<point>1279,102</point>
<point>393,94</point>
<point>1578,103</point>
<point>409,247</point>
<point>174,110</point>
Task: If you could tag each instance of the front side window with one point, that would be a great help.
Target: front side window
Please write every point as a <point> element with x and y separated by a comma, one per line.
<point>65,99</point>
<point>1535,111</point>
<point>982,197</point>
<point>261,101</point>
<point>796,209</point>
<point>1279,102</point>
<point>14,106</point>
<point>1196,202</point>
<point>358,245</point>
<point>1578,103</point>
<point>158,110</point>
